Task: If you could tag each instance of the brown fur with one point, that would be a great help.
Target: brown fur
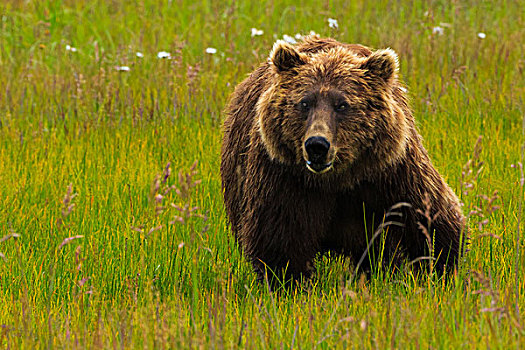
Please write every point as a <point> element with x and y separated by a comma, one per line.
<point>282,213</point>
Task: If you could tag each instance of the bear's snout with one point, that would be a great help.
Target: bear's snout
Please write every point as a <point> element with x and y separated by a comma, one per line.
<point>317,148</point>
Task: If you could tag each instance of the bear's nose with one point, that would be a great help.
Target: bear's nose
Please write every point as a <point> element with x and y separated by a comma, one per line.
<point>317,148</point>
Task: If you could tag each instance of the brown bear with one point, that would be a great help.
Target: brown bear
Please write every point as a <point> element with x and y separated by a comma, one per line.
<point>319,142</point>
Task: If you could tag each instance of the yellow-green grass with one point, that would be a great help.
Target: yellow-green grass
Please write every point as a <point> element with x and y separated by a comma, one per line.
<point>115,270</point>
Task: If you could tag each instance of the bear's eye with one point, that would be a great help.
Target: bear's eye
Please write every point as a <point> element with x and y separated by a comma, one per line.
<point>304,105</point>
<point>343,106</point>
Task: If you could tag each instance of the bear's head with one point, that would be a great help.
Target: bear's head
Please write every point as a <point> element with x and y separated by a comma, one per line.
<point>333,109</point>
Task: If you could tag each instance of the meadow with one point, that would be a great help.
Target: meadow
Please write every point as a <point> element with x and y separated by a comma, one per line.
<point>112,228</point>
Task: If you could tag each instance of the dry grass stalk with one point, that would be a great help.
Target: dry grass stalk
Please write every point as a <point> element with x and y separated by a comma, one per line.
<point>381,229</point>
<point>426,230</point>
<point>10,235</point>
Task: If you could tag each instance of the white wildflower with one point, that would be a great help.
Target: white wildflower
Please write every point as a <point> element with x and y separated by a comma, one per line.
<point>298,36</point>
<point>140,54</point>
<point>164,54</point>
<point>313,33</point>
<point>438,30</point>
<point>211,50</point>
<point>482,35</point>
<point>403,89</point>
<point>289,39</point>
<point>257,32</point>
<point>332,23</point>
<point>123,68</point>
<point>71,48</point>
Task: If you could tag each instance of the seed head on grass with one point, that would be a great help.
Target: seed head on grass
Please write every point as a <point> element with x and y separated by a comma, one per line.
<point>153,229</point>
<point>480,212</point>
<point>185,213</point>
<point>160,189</point>
<point>78,259</point>
<point>472,169</point>
<point>167,172</point>
<point>68,201</point>
<point>68,240</point>
<point>160,196</point>
<point>67,205</point>
<point>186,182</point>
<point>483,211</point>
<point>192,73</point>
<point>491,294</point>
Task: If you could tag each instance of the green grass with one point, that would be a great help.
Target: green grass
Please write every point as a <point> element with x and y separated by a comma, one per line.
<point>72,118</point>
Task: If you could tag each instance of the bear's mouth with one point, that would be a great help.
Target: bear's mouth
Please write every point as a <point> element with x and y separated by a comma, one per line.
<point>318,168</point>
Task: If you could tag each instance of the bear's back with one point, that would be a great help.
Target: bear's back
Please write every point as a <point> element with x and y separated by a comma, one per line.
<point>314,44</point>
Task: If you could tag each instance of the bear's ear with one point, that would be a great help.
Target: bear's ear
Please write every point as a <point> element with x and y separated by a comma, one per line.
<point>285,57</point>
<point>382,64</point>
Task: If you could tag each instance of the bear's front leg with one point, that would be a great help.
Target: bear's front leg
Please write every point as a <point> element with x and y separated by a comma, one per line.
<point>280,238</point>
<point>282,270</point>
<point>282,224</point>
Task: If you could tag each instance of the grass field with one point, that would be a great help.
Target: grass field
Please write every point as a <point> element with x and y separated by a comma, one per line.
<point>111,239</point>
